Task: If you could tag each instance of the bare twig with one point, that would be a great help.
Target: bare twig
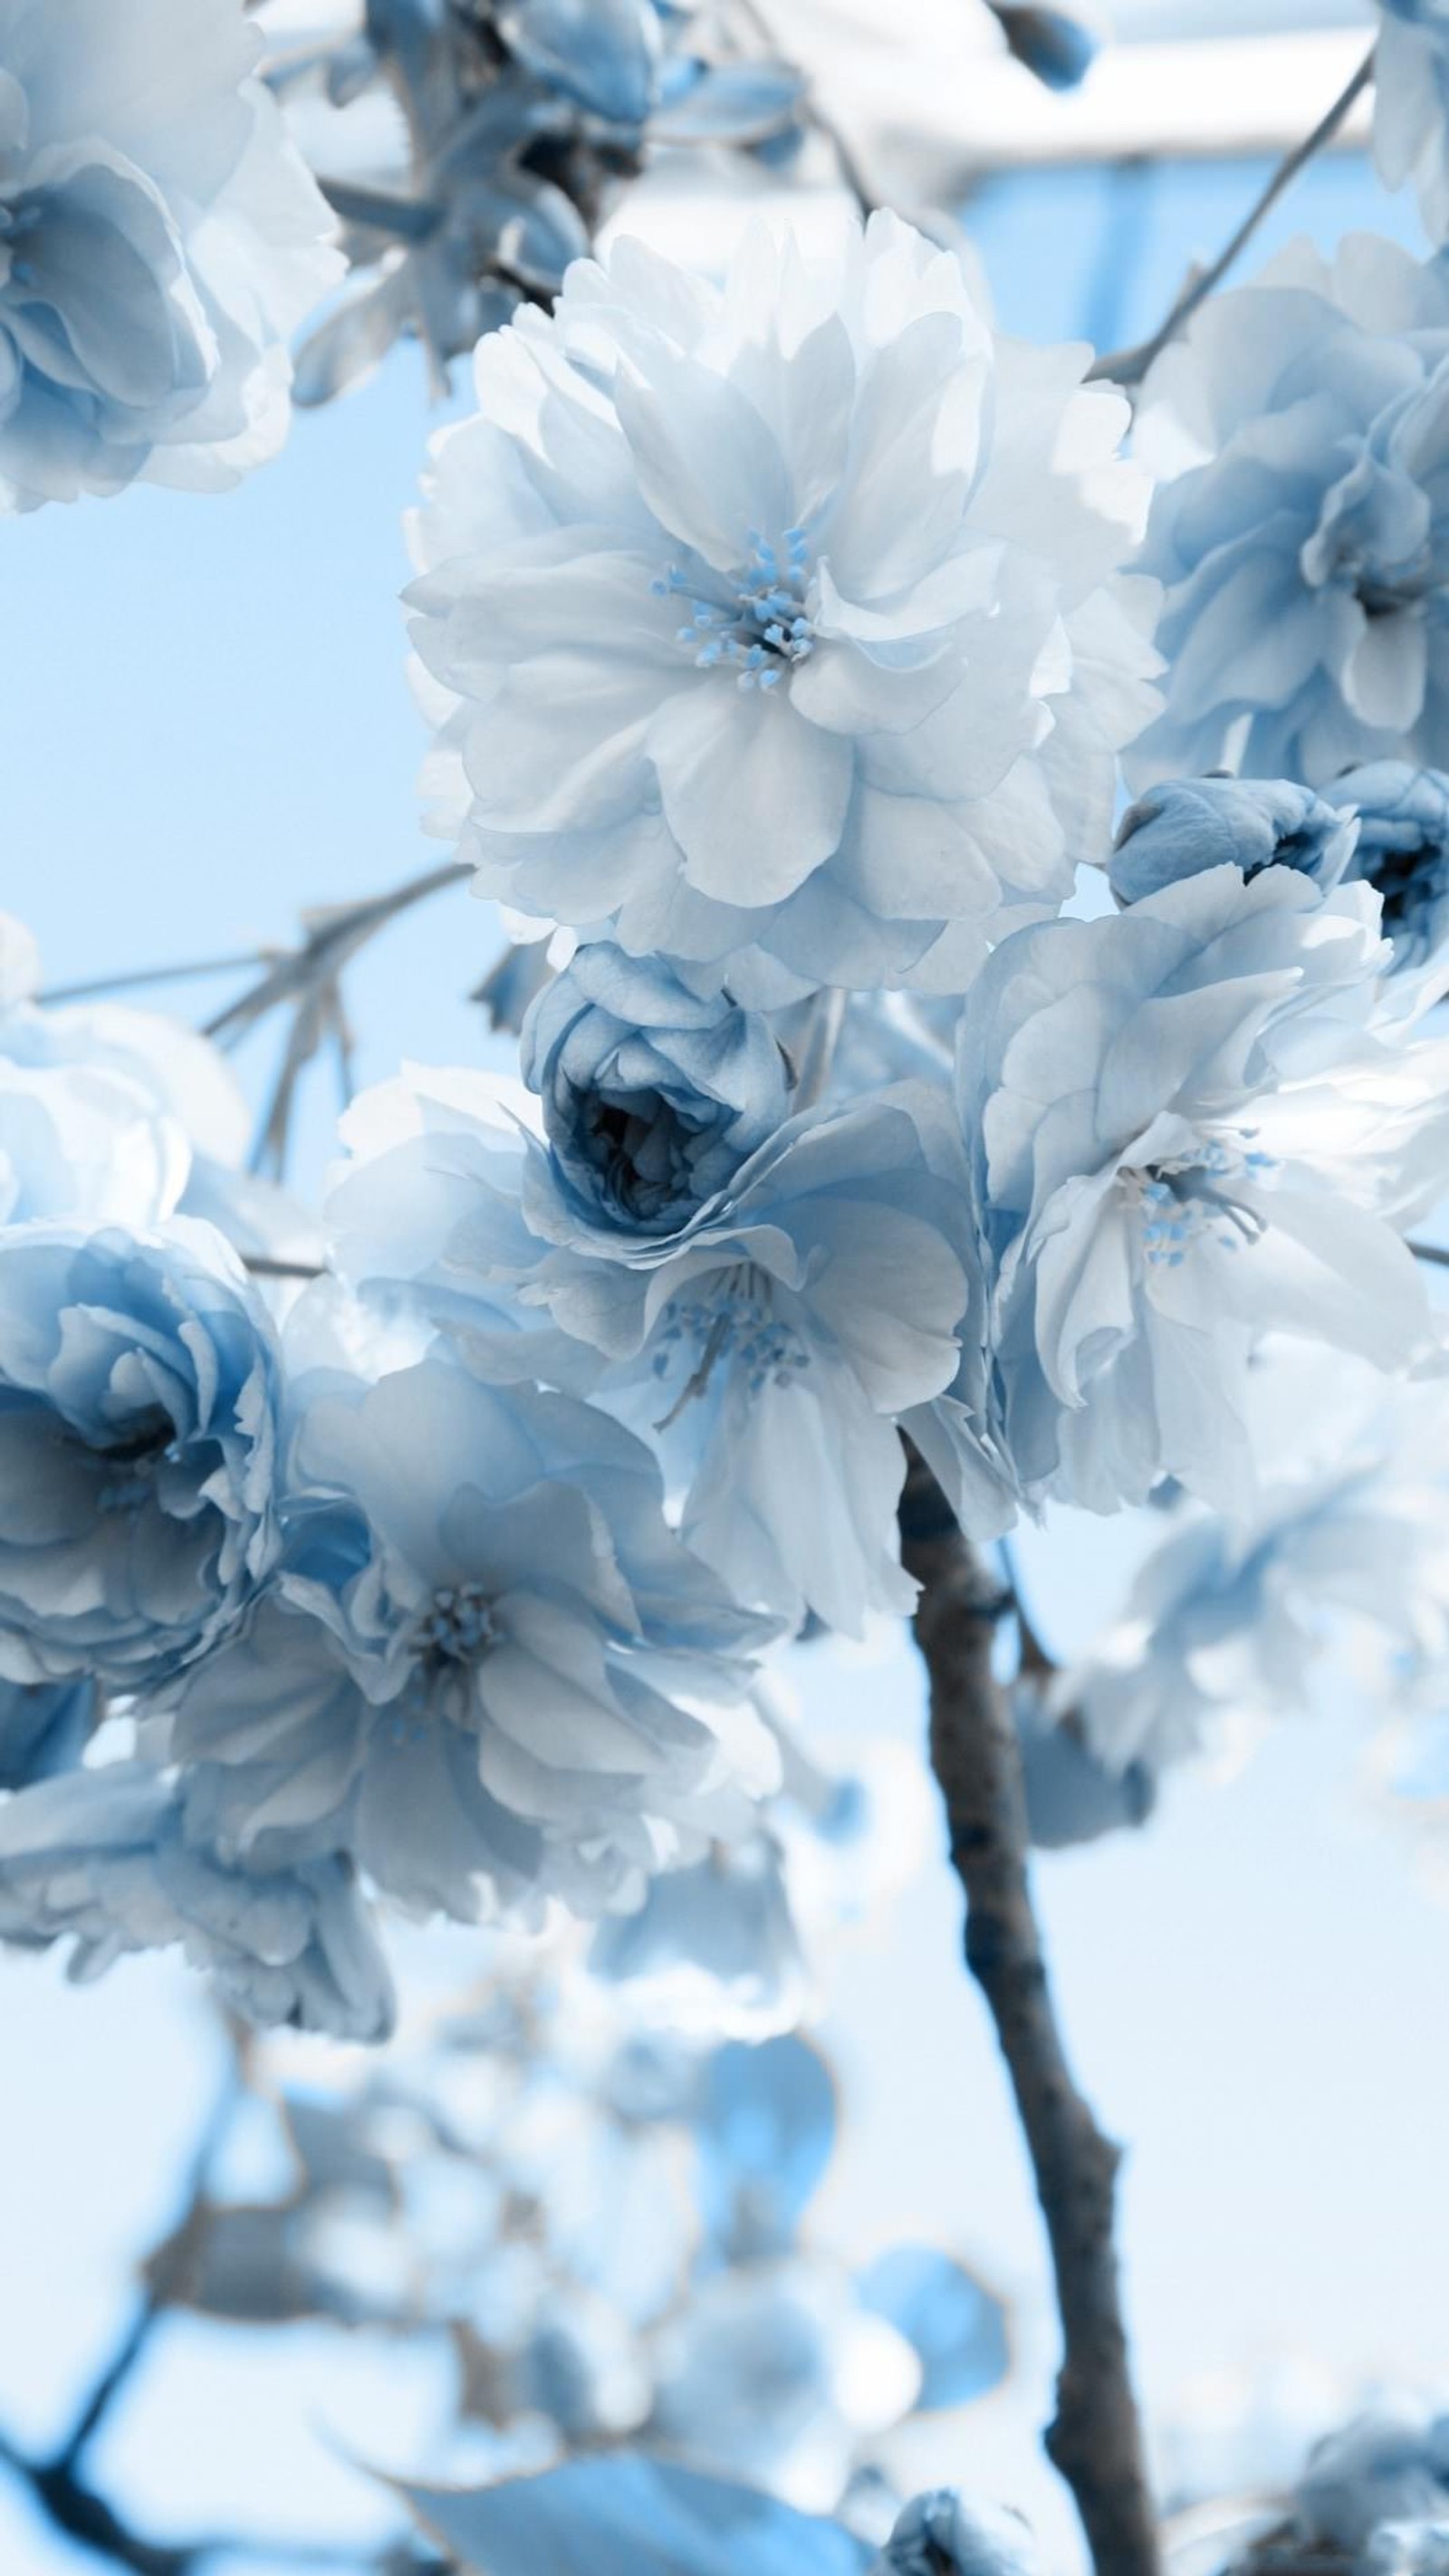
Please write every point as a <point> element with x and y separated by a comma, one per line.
<point>307,978</point>
<point>99,985</point>
<point>1436,1253</point>
<point>1035,1659</point>
<point>1095,2440</point>
<point>333,937</point>
<point>852,174</point>
<point>1129,366</point>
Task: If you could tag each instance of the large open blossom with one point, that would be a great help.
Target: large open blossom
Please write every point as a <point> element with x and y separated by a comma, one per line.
<point>769,1341</point>
<point>485,1667</point>
<point>1189,1124</point>
<point>1301,531</point>
<point>159,240</point>
<point>782,617</point>
<point>138,1422</point>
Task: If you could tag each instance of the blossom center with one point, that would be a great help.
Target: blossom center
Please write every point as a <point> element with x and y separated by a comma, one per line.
<point>640,1144</point>
<point>133,1462</point>
<point>458,1627</point>
<point>1204,1193</point>
<point>1410,882</point>
<point>733,1325</point>
<point>755,621</point>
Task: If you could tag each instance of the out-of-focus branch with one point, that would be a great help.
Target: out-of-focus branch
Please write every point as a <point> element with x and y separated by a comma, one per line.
<point>333,938</point>
<point>307,978</point>
<point>1128,366</point>
<point>1095,2440</point>
<point>99,985</point>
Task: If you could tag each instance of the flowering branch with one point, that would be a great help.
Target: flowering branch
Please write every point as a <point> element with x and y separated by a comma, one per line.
<point>1128,366</point>
<point>1095,2440</point>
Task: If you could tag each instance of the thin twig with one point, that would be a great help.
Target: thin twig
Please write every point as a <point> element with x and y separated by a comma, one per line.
<point>1095,2440</point>
<point>1034,1657</point>
<point>851,172</point>
<point>100,985</point>
<point>1129,366</point>
<point>1434,1252</point>
<point>163,2287</point>
<point>308,977</point>
<point>334,938</point>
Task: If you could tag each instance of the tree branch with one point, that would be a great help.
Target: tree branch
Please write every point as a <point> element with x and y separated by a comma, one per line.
<point>1129,366</point>
<point>1095,2440</point>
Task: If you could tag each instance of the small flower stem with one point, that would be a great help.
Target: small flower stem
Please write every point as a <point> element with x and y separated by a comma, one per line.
<point>1095,2439</point>
<point>852,174</point>
<point>1127,367</point>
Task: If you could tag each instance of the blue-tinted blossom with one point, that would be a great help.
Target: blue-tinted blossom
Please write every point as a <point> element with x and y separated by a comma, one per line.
<point>1402,851</point>
<point>1301,528</point>
<point>708,676</point>
<point>1185,825</point>
<point>712,1948</point>
<point>1072,1795</point>
<point>942,2535</point>
<point>160,238</point>
<point>110,1860</point>
<point>107,1114</point>
<point>1225,1622</point>
<point>1186,1127</point>
<point>652,1097</point>
<point>138,1418</point>
<point>485,1666</point>
<point>1390,2465</point>
<point>1411,104</point>
<point>770,1342</point>
<point>774,2373</point>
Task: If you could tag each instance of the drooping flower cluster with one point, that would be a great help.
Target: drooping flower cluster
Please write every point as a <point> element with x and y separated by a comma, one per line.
<point>1299,530</point>
<point>520,121</point>
<point>1411,104</point>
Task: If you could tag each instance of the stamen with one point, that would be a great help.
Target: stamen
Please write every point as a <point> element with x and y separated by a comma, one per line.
<point>758,621</point>
<point>737,1326</point>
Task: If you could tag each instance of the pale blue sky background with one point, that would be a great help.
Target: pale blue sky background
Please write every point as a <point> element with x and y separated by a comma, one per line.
<point>203,725</point>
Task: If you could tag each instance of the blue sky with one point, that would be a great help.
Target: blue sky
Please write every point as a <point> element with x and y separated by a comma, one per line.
<point>204,726</point>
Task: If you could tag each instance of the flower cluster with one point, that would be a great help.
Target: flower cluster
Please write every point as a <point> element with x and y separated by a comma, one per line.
<point>449,1586</point>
